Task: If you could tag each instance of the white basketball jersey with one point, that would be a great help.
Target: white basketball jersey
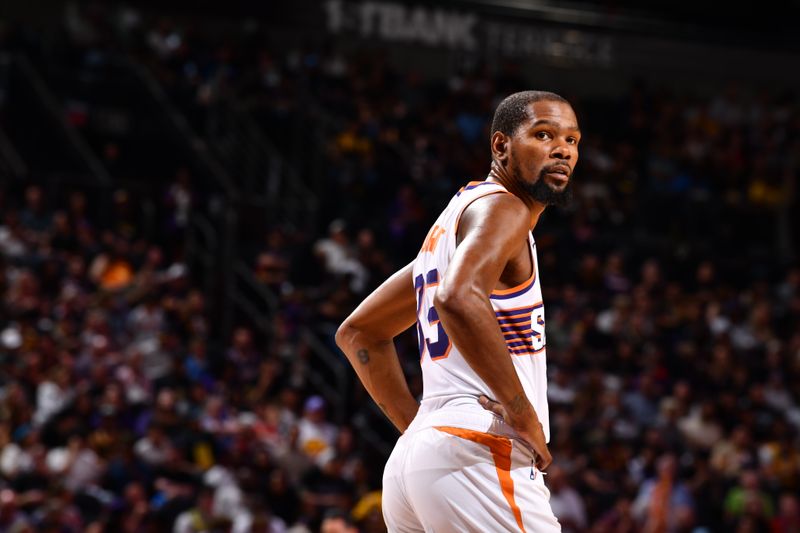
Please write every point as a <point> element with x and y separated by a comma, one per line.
<point>450,386</point>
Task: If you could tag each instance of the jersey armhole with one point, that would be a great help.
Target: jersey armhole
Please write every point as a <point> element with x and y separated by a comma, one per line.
<point>465,206</point>
<point>513,292</point>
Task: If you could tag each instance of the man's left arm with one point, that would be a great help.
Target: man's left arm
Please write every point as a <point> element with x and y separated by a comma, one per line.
<point>367,339</point>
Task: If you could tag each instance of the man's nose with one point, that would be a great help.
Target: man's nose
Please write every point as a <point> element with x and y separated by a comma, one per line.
<point>561,151</point>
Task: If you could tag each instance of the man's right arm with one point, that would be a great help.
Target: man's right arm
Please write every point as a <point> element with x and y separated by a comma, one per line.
<point>494,229</point>
<point>367,339</point>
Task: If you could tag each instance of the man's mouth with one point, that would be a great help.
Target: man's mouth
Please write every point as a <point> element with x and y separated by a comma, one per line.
<point>557,174</point>
<point>558,171</point>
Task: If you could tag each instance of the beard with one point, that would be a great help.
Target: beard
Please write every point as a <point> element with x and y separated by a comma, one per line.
<point>544,193</point>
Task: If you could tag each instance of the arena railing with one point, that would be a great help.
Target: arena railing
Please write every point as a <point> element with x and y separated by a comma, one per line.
<point>232,144</point>
<point>11,164</point>
<point>237,297</point>
<point>198,146</point>
<point>32,80</point>
<point>327,373</point>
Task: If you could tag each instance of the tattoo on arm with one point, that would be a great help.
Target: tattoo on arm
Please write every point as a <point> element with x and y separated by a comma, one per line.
<point>363,356</point>
<point>518,404</point>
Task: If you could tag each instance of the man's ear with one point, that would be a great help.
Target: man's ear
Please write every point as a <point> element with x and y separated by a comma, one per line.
<point>500,147</point>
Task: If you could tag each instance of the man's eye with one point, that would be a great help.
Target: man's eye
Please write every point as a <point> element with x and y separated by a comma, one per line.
<point>542,135</point>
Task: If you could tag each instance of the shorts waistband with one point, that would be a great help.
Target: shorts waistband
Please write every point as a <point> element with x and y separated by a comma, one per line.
<point>483,421</point>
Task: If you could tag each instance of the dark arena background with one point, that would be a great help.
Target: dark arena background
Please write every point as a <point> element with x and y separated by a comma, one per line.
<point>195,194</point>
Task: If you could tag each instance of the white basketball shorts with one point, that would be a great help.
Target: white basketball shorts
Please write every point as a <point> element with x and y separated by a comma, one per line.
<point>446,479</point>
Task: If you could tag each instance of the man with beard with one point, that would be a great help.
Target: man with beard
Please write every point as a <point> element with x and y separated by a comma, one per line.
<point>471,455</point>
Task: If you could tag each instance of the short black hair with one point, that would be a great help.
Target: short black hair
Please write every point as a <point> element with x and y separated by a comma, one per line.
<point>513,110</point>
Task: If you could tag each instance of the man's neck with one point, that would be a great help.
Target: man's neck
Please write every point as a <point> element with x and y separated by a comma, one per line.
<point>500,174</point>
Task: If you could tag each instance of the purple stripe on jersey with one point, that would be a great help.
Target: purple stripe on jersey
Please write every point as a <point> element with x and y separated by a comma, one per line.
<point>514,312</point>
<point>515,315</point>
<point>510,322</point>
<point>432,277</point>
<point>521,326</point>
<point>519,344</point>
<point>470,187</point>
<point>515,330</point>
<point>526,351</point>
<point>511,327</point>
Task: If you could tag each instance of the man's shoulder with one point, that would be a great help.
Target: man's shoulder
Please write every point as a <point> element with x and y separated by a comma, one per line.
<point>503,209</point>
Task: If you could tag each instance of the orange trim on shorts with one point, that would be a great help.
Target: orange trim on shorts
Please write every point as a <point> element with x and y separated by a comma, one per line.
<point>501,454</point>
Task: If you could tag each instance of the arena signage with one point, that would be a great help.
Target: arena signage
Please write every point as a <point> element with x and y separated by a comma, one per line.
<point>396,22</point>
<point>462,30</point>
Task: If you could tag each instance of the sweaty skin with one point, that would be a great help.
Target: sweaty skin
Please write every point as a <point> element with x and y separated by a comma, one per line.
<point>491,254</point>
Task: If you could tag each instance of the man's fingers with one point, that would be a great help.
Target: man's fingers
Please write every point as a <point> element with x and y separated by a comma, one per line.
<point>543,461</point>
<point>491,405</point>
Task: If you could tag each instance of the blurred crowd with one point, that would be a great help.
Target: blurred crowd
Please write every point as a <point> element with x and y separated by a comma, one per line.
<point>671,287</point>
<point>114,416</point>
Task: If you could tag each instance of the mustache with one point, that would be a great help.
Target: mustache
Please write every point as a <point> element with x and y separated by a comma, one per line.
<point>556,167</point>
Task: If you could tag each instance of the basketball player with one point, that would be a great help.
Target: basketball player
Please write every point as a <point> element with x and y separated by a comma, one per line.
<point>471,455</point>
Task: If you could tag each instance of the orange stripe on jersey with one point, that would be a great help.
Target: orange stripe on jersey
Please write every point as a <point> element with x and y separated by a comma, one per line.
<point>506,317</point>
<point>518,332</point>
<point>522,286</point>
<point>519,344</point>
<point>508,329</point>
<point>501,454</point>
<point>471,185</point>
<point>515,325</point>
<point>503,313</point>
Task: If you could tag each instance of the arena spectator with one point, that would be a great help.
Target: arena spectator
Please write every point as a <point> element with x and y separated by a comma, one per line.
<point>316,436</point>
<point>199,518</point>
<point>788,515</point>
<point>748,500</point>
<point>567,504</point>
<point>337,521</point>
<point>664,502</point>
<point>339,257</point>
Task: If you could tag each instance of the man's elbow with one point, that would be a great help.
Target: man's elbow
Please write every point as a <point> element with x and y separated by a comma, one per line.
<point>345,334</point>
<point>450,302</point>
<point>357,332</point>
